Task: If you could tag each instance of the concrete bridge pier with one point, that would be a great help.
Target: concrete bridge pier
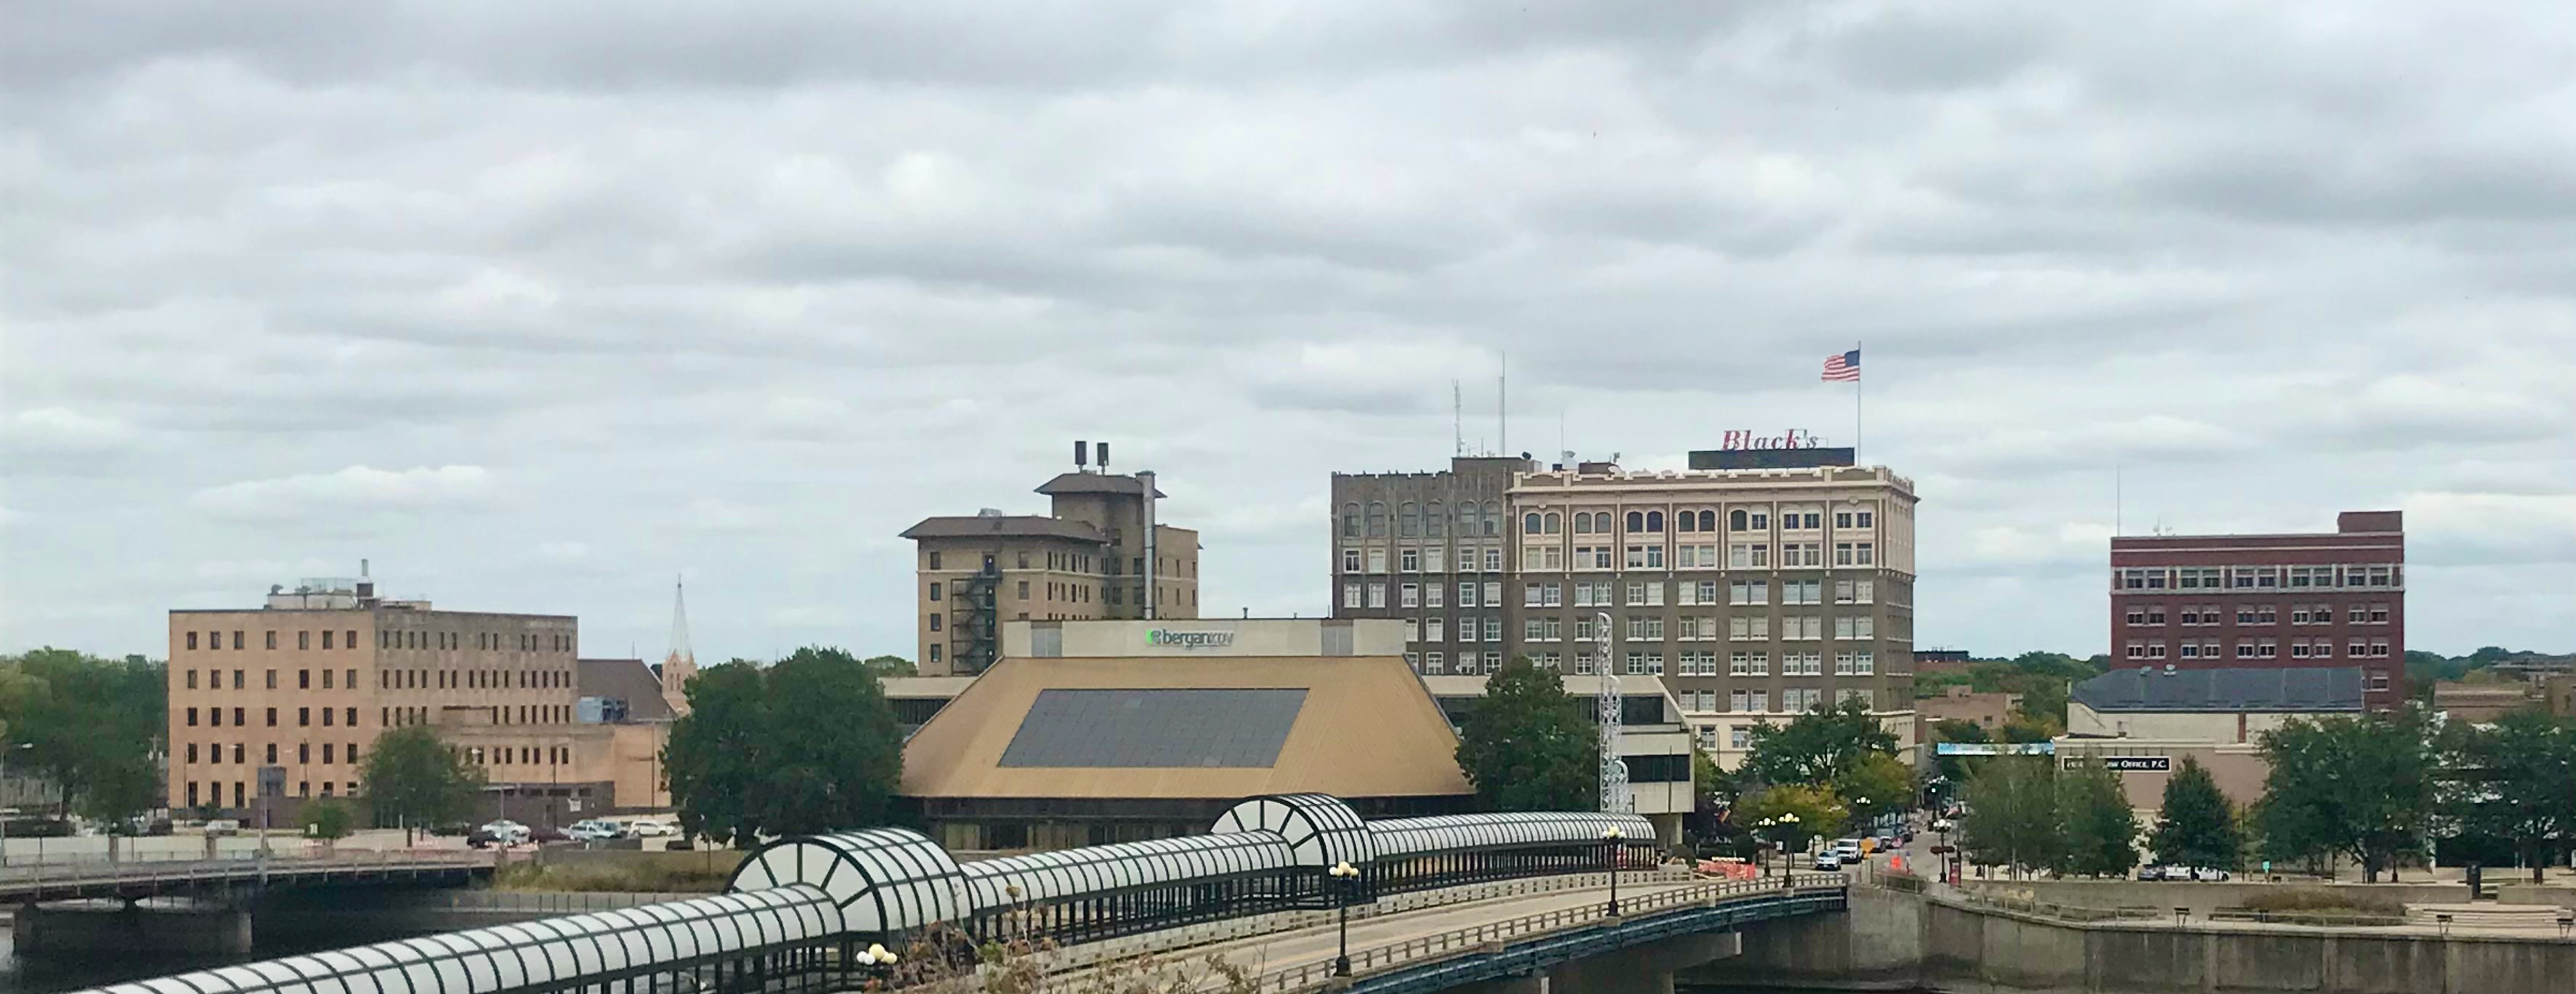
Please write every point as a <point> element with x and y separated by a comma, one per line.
<point>1646,969</point>
<point>136,928</point>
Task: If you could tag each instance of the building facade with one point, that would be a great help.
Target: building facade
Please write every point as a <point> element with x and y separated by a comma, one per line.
<point>1100,553</point>
<point>1752,595</point>
<point>2334,599</point>
<point>306,683</point>
<point>1988,711</point>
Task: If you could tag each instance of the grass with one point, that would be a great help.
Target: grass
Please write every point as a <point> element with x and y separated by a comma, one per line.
<point>637,877</point>
<point>2323,899</point>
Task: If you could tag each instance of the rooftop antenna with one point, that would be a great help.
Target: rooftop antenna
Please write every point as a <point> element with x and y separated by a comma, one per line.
<point>1457,419</point>
<point>2115,499</point>
<point>1503,403</point>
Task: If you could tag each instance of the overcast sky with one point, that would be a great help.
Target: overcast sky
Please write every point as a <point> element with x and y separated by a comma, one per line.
<point>538,305</point>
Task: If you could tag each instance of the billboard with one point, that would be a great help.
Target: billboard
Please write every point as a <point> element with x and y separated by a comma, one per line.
<point>1782,458</point>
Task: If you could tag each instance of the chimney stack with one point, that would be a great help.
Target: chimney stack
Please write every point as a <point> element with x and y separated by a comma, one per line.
<point>1104,457</point>
<point>1081,455</point>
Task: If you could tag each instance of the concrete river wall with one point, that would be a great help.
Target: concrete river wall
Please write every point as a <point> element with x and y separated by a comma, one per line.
<point>1897,941</point>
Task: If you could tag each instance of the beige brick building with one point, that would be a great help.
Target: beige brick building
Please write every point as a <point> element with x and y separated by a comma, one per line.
<point>1753,594</point>
<point>1100,553</point>
<point>307,682</point>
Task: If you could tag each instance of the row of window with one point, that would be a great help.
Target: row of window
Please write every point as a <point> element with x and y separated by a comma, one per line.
<point>403,679</point>
<point>518,755</point>
<point>1692,520</point>
<point>2322,648</point>
<point>1428,560</point>
<point>1470,663</point>
<point>214,792</point>
<point>1792,700</point>
<point>1429,520</point>
<point>303,717</point>
<point>1552,558</point>
<point>1689,593</point>
<point>392,639</point>
<point>2348,577</point>
<point>2258,614</point>
<point>331,753</point>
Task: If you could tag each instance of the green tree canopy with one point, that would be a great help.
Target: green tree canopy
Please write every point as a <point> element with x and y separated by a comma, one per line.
<point>1954,768</point>
<point>2101,830</point>
<point>2516,780</point>
<point>2197,826</point>
<point>2013,818</point>
<point>1795,813</point>
<point>1818,747</point>
<point>2358,786</point>
<point>1880,779</point>
<point>808,745</point>
<point>96,726</point>
<point>413,779</point>
<point>326,818</point>
<point>1526,746</point>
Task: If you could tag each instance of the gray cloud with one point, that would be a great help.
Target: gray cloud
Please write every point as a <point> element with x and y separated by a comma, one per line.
<point>740,293</point>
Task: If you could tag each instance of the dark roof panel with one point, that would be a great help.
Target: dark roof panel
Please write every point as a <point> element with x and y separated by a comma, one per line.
<point>2288,688</point>
<point>1157,728</point>
<point>1094,483</point>
<point>625,679</point>
<point>1008,526</point>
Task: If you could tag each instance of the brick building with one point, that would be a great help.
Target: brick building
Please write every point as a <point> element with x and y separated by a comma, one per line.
<point>2332,599</point>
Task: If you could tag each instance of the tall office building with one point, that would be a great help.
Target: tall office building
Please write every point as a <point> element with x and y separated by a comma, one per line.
<point>1751,594</point>
<point>1430,549</point>
<point>1100,552</point>
<point>305,683</point>
<point>2316,599</point>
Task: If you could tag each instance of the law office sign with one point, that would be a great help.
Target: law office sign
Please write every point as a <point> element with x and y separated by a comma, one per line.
<point>2126,764</point>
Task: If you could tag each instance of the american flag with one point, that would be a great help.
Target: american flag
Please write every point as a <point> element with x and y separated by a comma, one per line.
<point>1843,367</point>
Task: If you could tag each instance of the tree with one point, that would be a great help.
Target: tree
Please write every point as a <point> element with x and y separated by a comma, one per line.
<point>96,726</point>
<point>1796,813</point>
<point>890,665</point>
<point>2197,826</point>
<point>2101,830</point>
<point>1817,747</point>
<point>326,818</point>
<point>2358,786</point>
<point>2518,781</point>
<point>832,754</point>
<point>1526,746</point>
<point>1880,779</point>
<point>2012,816</point>
<point>808,745</point>
<point>413,779</point>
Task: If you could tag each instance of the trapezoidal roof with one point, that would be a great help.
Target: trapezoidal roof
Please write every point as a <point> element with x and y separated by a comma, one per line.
<point>1214,727</point>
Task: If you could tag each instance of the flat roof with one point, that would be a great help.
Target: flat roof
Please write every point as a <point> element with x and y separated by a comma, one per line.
<point>1358,726</point>
<point>1094,483</point>
<point>1004,525</point>
<point>376,609</point>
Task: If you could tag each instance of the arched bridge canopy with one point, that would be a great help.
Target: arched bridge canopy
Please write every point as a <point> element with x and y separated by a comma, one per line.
<point>531,954</point>
<point>1320,829</point>
<point>1396,838</point>
<point>882,879</point>
<point>1073,873</point>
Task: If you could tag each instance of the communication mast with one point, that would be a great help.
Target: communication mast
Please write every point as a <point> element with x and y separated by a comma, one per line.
<point>1614,773</point>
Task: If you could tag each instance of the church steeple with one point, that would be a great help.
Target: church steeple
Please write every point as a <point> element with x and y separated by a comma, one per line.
<point>682,662</point>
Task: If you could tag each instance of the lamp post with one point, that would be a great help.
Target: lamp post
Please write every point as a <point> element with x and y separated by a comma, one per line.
<point>1770,839</point>
<point>1610,839</point>
<point>879,962</point>
<point>4,816</point>
<point>1860,804</point>
<point>1790,819</point>
<point>1345,877</point>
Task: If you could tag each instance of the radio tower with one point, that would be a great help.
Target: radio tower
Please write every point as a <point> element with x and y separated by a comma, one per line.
<point>682,662</point>
<point>1614,774</point>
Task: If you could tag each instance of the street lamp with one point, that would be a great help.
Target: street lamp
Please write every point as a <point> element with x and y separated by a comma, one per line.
<point>1610,838</point>
<point>1788,818</point>
<point>4,817</point>
<point>1345,878</point>
<point>879,962</point>
<point>1769,838</point>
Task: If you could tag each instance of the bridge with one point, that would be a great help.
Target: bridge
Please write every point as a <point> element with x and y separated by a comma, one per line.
<point>130,880</point>
<point>1429,904</point>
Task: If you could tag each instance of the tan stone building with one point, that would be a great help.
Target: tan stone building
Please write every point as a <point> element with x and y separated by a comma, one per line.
<point>1099,553</point>
<point>1986,710</point>
<point>307,682</point>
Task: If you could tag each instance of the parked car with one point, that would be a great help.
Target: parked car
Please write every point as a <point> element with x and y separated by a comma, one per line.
<point>651,828</point>
<point>2151,873</point>
<point>2208,874</point>
<point>2176,873</point>
<point>224,826</point>
<point>1827,860</point>
<point>593,830</point>
<point>1849,850</point>
<point>501,832</point>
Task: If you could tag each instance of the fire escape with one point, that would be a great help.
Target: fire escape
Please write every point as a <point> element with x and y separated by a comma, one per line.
<point>975,642</point>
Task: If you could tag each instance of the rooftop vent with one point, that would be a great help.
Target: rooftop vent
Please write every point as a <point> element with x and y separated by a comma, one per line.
<point>988,512</point>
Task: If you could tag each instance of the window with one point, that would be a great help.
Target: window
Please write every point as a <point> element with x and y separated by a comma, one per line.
<point>1377,560</point>
<point>1493,593</point>
<point>1408,520</point>
<point>1735,521</point>
<point>1409,595</point>
<point>1409,561</point>
<point>1377,519</point>
<point>1467,593</point>
<point>192,640</point>
<point>1636,521</point>
<point>1413,629</point>
<point>1377,593</point>
<point>1851,627</point>
<point>934,590</point>
<point>1434,594</point>
<point>1531,525</point>
<point>1493,629</point>
<point>1654,521</point>
<point>1853,591</point>
<point>272,717</point>
<point>1802,592</point>
<point>1350,521</point>
<point>1435,629</point>
<point>1741,627</point>
<point>1494,559</point>
<point>2379,680</point>
<point>326,674</point>
<point>1749,556</point>
<point>1435,520</point>
<point>303,717</point>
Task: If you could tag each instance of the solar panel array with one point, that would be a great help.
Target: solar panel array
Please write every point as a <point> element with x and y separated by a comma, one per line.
<point>1155,728</point>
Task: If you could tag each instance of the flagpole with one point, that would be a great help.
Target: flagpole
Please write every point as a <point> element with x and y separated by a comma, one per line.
<point>1856,420</point>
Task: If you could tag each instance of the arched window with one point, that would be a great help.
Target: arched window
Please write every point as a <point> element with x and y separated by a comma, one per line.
<point>1636,521</point>
<point>1684,522</point>
<point>1555,523</point>
<point>1351,520</point>
<point>1493,517</point>
<point>1708,521</point>
<point>1408,518</point>
<point>1583,523</point>
<point>1735,520</point>
<point>1435,522</point>
<point>1654,521</point>
<point>1377,519</point>
<point>1530,523</point>
<point>1469,518</point>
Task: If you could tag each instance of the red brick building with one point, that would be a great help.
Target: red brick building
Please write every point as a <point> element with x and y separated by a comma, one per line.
<point>2318,599</point>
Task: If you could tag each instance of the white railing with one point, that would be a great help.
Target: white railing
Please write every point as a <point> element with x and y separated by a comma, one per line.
<point>149,871</point>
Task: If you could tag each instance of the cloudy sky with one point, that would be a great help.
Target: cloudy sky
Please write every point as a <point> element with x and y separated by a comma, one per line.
<point>540,305</point>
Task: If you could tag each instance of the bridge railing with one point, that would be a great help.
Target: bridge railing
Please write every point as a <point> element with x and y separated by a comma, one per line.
<point>1477,937</point>
<point>176,870</point>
